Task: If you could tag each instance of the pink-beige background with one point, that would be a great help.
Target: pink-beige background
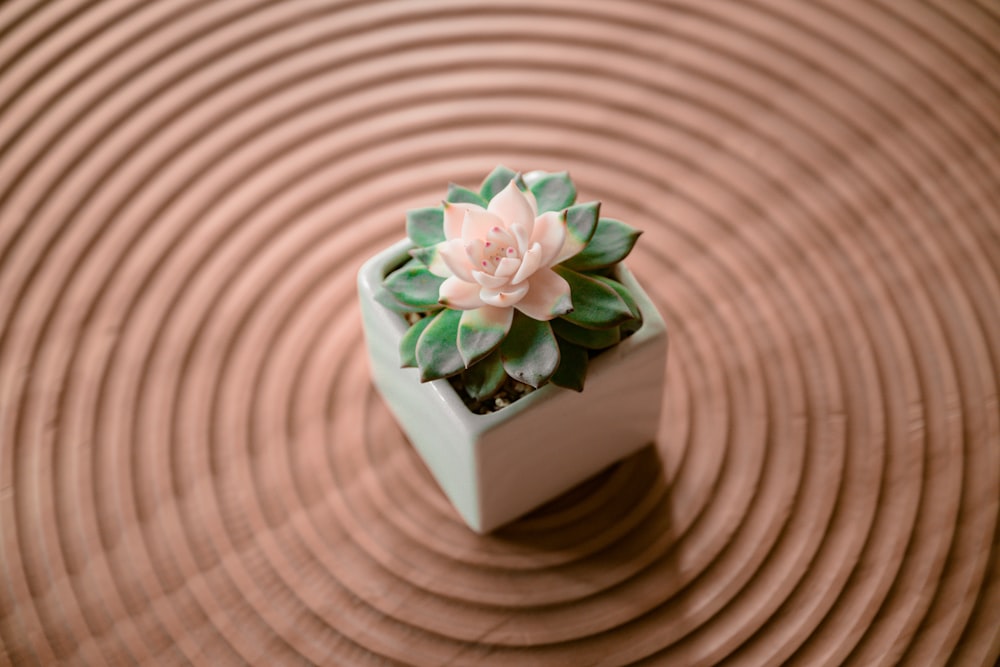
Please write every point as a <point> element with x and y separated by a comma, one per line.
<point>194,467</point>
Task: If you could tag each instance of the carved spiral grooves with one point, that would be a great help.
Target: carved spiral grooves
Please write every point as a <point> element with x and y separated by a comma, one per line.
<point>194,467</point>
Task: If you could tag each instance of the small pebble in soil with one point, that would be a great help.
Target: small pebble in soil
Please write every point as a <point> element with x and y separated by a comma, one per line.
<point>510,391</point>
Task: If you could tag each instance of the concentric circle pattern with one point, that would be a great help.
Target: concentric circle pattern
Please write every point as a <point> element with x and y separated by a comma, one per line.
<point>194,467</point>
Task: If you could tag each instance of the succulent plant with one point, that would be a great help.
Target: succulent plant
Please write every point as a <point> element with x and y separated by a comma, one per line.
<point>515,280</point>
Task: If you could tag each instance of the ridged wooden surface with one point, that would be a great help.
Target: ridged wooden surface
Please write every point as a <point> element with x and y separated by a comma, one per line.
<point>194,467</point>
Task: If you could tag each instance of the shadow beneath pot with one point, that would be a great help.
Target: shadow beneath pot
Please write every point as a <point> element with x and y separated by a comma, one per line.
<point>625,502</point>
<point>608,551</point>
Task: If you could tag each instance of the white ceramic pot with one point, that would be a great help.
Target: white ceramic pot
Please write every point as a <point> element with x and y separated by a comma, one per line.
<point>496,467</point>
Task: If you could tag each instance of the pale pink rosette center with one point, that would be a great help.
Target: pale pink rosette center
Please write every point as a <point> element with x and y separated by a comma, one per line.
<point>501,257</point>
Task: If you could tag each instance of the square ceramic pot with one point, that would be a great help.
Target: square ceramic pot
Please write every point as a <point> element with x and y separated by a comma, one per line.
<point>496,467</point>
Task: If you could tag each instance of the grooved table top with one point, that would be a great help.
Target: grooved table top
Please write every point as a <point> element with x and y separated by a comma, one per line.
<point>194,467</point>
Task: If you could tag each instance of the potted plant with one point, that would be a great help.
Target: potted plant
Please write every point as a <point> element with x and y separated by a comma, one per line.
<point>517,352</point>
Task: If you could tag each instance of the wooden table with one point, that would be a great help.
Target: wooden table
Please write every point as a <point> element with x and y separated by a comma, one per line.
<point>194,467</point>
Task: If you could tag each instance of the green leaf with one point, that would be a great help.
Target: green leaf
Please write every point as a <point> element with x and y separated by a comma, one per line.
<point>572,371</point>
<point>458,194</point>
<point>408,343</point>
<point>554,192</point>
<point>581,221</point>
<point>384,297</point>
<point>629,327</point>
<point>533,177</point>
<point>624,294</point>
<point>431,258</point>
<point>426,255</point>
<point>592,339</point>
<point>485,377</point>
<point>481,330</point>
<point>425,226</point>
<point>595,305</point>
<point>437,347</point>
<point>414,286</point>
<point>530,353</point>
<point>496,181</point>
<point>612,242</point>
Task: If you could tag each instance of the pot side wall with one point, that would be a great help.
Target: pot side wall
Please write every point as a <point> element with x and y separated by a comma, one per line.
<point>494,468</point>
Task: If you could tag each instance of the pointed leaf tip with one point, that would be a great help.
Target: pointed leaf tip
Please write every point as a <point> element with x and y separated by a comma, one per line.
<point>408,343</point>
<point>481,330</point>
<point>581,222</point>
<point>613,240</point>
<point>591,339</point>
<point>485,377</point>
<point>625,294</point>
<point>530,352</point>
<point>437,347</point>
<point>554,192</point>
<point>572,370</point>
<point>415,286</point>
<point>431,258</point>
<point>425,226</point>
<point>496,181</point>
<point>457,194</point>
<point>385,298</point>
<point>596,305</point>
